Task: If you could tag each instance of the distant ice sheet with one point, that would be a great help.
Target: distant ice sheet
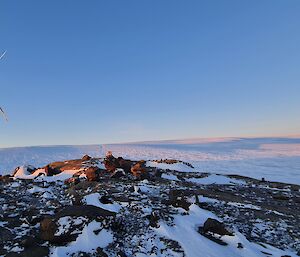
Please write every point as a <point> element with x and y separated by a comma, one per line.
<point>275,159</point>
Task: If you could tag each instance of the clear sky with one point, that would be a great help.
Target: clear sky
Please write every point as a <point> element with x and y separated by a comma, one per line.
<point>83,72</point>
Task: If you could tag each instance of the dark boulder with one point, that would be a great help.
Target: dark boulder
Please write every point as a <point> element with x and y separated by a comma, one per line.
<point>111,163</point>
<point>28,242</point>
<point>86,158</point>
<point>5,235</point>
<point>280,197</point>
<point>139,170</point>
<point>72,181</point>
<point>89,211</point>
<point>153,219</point>
<point>177,198</point>
<point>100,252</point>
<point>35,251</point>
<point>240,246</point>
<point>118,173</point>
<point>125,164</point>
<point>105,200</point>
<point>216,227</point>
<point>213,229</point>
<point>47,229</point>
<point>121,254</point>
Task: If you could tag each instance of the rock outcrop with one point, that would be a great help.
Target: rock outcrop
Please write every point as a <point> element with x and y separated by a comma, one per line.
<point>128,203</point>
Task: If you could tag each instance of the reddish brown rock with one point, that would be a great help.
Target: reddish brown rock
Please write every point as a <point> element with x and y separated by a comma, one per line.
<point>51,171</point>
<point>6,179</point>
<point>48,228</point>
<point>111,163</point>
<point>67,165</point>
<point>72,181</point>
<point>92,173</point>
<point>139,170</point>
<point>111,167</point>
<point>78,173</point>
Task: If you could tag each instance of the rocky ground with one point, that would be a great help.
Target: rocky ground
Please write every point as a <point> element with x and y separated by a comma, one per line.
<point>117,207</point>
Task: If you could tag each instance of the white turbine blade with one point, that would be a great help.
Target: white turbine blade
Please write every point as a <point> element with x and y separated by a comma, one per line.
<point>2,55</point>
<point>4,115</point>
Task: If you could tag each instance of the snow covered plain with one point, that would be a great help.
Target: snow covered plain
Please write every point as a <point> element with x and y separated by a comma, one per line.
<point>275,159</point>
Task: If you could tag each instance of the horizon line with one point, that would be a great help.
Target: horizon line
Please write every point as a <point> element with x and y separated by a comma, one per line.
<point>182,140</point>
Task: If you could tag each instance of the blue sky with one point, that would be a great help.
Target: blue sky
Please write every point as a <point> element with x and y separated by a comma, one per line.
<point>82,72</point>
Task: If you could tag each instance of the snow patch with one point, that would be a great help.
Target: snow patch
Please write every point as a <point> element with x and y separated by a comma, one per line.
<point>194,244</point>
<point>94,199</point>
<point>215,179</point>
<point>59,177</point>
<point>170,177</point>
<point>87,241</point>
<point>174,166</point>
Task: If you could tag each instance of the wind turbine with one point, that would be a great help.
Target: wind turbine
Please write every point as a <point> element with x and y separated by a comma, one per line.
<point>1,110</point>
<point>3,114</point>
<point>2,55</point>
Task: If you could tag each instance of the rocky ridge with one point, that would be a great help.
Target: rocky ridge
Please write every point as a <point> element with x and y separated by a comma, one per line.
<point>116,207</point>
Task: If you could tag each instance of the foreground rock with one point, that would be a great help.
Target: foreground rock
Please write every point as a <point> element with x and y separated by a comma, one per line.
<point>85,207</point>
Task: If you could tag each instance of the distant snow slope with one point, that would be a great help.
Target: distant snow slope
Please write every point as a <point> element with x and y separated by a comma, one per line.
<point>38,156</point>
<point>276,159</point>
